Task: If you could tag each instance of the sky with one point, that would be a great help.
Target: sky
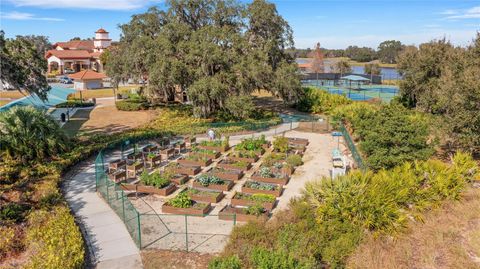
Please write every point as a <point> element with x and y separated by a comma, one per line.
<point>333,23</point>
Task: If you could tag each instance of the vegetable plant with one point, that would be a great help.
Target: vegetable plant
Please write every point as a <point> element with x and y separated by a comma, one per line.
<point>280,144</point>
<point>155,179</point>
<point>181,201</point>
<point>294,160</point>
<point>260,186</point>
<point>255,210</point>
<point>207,179</point>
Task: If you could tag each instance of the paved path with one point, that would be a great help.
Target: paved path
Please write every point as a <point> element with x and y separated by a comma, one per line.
<point>109,242</point>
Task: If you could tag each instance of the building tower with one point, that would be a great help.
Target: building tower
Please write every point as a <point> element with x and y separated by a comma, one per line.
<point>101,40</point>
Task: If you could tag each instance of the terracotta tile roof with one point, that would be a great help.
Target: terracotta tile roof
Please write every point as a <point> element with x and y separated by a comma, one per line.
<point>76,44</point>
<point>101,30</point>
<point>68,54</point>
<point>87,74</point>
<point>95,54</point>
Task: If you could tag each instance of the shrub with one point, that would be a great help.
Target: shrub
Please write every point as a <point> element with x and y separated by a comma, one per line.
<point>264,259</point>
<point>181,201</point>
<point>74,103</point>
<point>280,144</point>
<point>231,262</point>
<point>319,101</point>
<point>55,240</point>
<point>294,160</point>
<point>8,241</point>
<point>131,105</point>
<point>240,107</point>
<point>12,212</point>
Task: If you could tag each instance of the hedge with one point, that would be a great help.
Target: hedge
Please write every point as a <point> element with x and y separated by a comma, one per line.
<point>131,105</point>
<point>74,103</point>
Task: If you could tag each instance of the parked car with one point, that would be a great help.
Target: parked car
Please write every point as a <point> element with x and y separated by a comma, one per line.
<point>69,71</point>
<point>66,80</point>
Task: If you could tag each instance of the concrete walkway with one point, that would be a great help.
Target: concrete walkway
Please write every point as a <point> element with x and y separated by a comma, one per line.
<point>108,240</point>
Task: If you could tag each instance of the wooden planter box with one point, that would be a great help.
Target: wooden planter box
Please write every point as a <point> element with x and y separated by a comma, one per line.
<point>225,187</point>
<point>279,181</point>
<point>150,148</point>
<point>134,157</point>
<point>153,160</point>
<point>194,163</point>
<point>179,147</point>
<point>207,199</point>
<point>199,212</point>
<point>179,179</point>
<point>133,169</point>
<point>189,141</point>
<point>250,160</point>
<point>167,153</point>
<point>187,170</point>
<point>118,176</point>
<point>276,193</point>
<point>236,214</point>
<point>115,165</point>
<point>298,141</point>
<point>233,175</point>
<point>150,189</point>
<point>211,156</point>
<point>219,148</point>
<point>232,167</point>
<point>243,202</point>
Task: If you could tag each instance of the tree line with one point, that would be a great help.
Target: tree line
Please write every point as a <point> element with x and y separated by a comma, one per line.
<point>386,52</point>
<point>212,50</point>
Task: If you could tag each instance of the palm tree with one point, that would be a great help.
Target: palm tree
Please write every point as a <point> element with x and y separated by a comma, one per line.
<point>29,134</point>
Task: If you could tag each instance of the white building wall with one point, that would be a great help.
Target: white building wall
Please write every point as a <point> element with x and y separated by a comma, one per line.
<point>94,84</point>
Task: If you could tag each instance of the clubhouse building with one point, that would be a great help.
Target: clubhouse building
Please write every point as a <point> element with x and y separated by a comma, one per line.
<point>77,55</point>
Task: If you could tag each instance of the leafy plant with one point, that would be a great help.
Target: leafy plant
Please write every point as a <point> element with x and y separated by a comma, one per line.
<point>12,212</point>
<point>260,186</point>
<point>257,197</point>
<point>255,210</point>
<point>244,154</point>
<point>280,144</point>
<point>251,144</point>
<point>294,160</point>
<point>231,262</point>
<point>265,172</point>
<point>156,179</point>
<point>182,200</point>
<point>207,179</point>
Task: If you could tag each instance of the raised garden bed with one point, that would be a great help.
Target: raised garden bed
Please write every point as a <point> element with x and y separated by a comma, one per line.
<point>235,165</point>
<point>245,156</point>
<point>190,140</point>
<point>184,205</point>
<point>230,174</point>
<point>242,214</point>
<point>206,196</point>
<point>298,141</point>
<point>253,187</point>
<point>134,156</point>
<point>118,175</point>
<point>180,146</point>
<point>268,201</point>
<point>167,153</point>
<point>197,209</point>
<point>217,145</point>
<point>115,165</point>
<point>212,154</point>
<point>272,176</point>
<point>150,148</point>
<point>179,179</point>
<point>177,168</point>
<point>165,191</point>
<point>258,145</point>
<point>212,182</point>
<point>193,159</point>
<point>133,168</point>
<point>153,159</point>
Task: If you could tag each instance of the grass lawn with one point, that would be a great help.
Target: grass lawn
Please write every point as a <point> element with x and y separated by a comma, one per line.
<point>4,102</point>
<point>12,94</point>
<point>76,122</point>
<point>104,92</point>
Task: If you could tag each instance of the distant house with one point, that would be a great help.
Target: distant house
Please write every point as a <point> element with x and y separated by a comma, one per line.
<point>74,56</point>
<point>87,79</point>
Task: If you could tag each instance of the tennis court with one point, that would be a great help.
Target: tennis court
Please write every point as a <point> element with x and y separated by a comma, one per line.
<point>357,93</point>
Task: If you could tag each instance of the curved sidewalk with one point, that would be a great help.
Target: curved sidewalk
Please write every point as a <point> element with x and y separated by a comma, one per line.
<point>108,240</point>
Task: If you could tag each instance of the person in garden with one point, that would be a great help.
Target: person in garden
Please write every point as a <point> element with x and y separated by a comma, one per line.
<point>211,134</point>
